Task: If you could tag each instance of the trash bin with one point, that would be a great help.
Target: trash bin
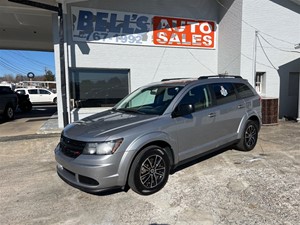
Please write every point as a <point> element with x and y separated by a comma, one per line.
<point>269,110</point>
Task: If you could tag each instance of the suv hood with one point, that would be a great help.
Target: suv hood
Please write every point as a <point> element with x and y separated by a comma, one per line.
<point>104,124</point>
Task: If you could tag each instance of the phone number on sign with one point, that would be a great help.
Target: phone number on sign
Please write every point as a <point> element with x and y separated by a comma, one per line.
<point>117,38</point>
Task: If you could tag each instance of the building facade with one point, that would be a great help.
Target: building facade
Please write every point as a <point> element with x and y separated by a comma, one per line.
<point>112,48</point>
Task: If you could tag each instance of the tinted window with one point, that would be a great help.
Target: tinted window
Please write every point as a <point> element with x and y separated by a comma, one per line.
<point>32,91</point>
<point>243,90</point>
<point>44,92</point>
<point>224,93</point>
<point>5,90</point>
<point>98,87</point>
<point>199,96</point>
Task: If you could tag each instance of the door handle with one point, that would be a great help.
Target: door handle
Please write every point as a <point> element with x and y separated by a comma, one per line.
<point>212,115</point>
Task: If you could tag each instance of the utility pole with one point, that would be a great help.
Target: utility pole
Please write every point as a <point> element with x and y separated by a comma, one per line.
<point>59,10</point>
<point>254,58</point>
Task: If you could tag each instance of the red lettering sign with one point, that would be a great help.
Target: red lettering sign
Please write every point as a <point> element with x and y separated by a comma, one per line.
<point>183,32</point>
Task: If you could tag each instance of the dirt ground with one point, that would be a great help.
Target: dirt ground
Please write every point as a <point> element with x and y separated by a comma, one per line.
<point>232,187</point>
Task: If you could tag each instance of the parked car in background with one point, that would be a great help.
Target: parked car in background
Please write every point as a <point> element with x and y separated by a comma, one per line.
<point>8,102</point>
<point>155,129</point>
<point>38,95</point>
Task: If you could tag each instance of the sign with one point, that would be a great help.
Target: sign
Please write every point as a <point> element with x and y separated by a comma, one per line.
<point>103,26</point>
<point>30,75</point>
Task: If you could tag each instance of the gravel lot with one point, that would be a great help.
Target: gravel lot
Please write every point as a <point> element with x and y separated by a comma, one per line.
<point>232,187</point>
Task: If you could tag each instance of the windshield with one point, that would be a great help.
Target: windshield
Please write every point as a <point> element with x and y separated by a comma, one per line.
<point>151,100</point>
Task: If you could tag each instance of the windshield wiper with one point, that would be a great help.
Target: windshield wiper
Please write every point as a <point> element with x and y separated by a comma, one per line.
<point>130,110</point>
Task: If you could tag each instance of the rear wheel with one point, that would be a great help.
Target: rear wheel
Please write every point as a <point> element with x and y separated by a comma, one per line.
<point>55,100</point>
<point>9,113</point>
<point>149,171</point>
<point>249,138</point>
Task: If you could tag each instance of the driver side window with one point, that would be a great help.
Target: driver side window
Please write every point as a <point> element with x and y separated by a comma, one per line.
<point>199,96</point>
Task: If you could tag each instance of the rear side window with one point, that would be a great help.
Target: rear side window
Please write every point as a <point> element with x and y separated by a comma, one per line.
<point>224,93</point>
<point>33,91</point>
<point>5,90</point>
<point>243,90</point>
<point>44,92</point>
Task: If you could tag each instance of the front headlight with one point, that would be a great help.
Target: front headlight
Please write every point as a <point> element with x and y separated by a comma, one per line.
<point>102,148</point>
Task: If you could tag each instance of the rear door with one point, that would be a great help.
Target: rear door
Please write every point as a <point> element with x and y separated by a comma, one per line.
<point>45,96</point>
<point>33,95</point>
<point>228,112</point>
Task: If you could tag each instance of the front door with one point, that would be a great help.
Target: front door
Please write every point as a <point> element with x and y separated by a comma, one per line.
<point>196,131</point>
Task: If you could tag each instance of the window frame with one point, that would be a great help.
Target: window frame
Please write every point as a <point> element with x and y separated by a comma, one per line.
<point>74,86</point>
<point>212,103</point>
<point>215,100</point>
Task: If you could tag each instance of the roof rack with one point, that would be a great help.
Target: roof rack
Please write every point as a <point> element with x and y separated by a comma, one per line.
<point>220,76</point>
<point>170,79</point>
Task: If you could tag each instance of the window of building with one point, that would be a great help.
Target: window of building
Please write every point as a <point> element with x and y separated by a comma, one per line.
<point>98,87</point>
<point>260,82</point>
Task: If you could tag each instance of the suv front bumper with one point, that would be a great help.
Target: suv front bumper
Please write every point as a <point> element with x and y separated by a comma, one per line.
<point>92,173</point>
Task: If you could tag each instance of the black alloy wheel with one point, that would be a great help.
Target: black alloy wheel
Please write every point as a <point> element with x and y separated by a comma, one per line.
<point>150,171</point>
<point>249,138</point>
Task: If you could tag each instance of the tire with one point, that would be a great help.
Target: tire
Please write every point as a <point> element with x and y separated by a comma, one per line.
<point>9,113</point>
<point>249,138</point>
<point>55,100</point>
<point>149,171</point>
<point>26,107</point>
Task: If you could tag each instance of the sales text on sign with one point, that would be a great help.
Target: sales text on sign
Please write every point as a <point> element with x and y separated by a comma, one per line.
<point>183,32</point>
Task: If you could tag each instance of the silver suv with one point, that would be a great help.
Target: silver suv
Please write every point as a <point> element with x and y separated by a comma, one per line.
<point>151,131</point>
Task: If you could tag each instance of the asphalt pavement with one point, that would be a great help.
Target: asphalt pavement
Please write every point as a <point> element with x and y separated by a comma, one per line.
<point>259,187</point>
<point>40,120</point>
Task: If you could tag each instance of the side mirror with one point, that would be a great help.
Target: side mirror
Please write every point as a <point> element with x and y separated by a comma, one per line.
<point>183,109</point>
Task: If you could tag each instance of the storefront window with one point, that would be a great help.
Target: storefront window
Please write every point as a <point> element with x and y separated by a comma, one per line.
<point>98,87</point>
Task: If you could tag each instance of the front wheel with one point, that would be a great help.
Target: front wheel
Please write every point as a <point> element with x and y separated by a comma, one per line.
<point>9,113</point>
<point>249,138</point>
<point>149,171</point>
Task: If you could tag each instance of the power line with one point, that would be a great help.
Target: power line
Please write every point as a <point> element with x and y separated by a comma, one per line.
<point>255,28</point>
<point>15,65</point>
<point>265,53</point>
<point>257,61</point>
<point>283,50</point>
<point>10,67</point>
<point>200,62</point>
<point>36,62</point>
<point>161,58</point>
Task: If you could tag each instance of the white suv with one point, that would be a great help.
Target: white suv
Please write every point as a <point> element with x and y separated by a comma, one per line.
<point>38,95</point>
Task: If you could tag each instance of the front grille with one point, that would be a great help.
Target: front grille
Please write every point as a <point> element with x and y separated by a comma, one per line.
<point>71,147</point>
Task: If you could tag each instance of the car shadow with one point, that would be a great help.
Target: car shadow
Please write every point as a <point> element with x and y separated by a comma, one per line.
<point>38,112</point>
<point>182,166</point>
<point>198,159</point>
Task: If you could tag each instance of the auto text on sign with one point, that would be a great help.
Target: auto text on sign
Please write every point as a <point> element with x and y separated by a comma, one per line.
<point>183,32</point>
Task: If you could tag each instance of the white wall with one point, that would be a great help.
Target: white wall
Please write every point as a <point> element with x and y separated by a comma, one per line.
<point>229,42</point>
<point>278,22</point>
<point>148,64</point>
